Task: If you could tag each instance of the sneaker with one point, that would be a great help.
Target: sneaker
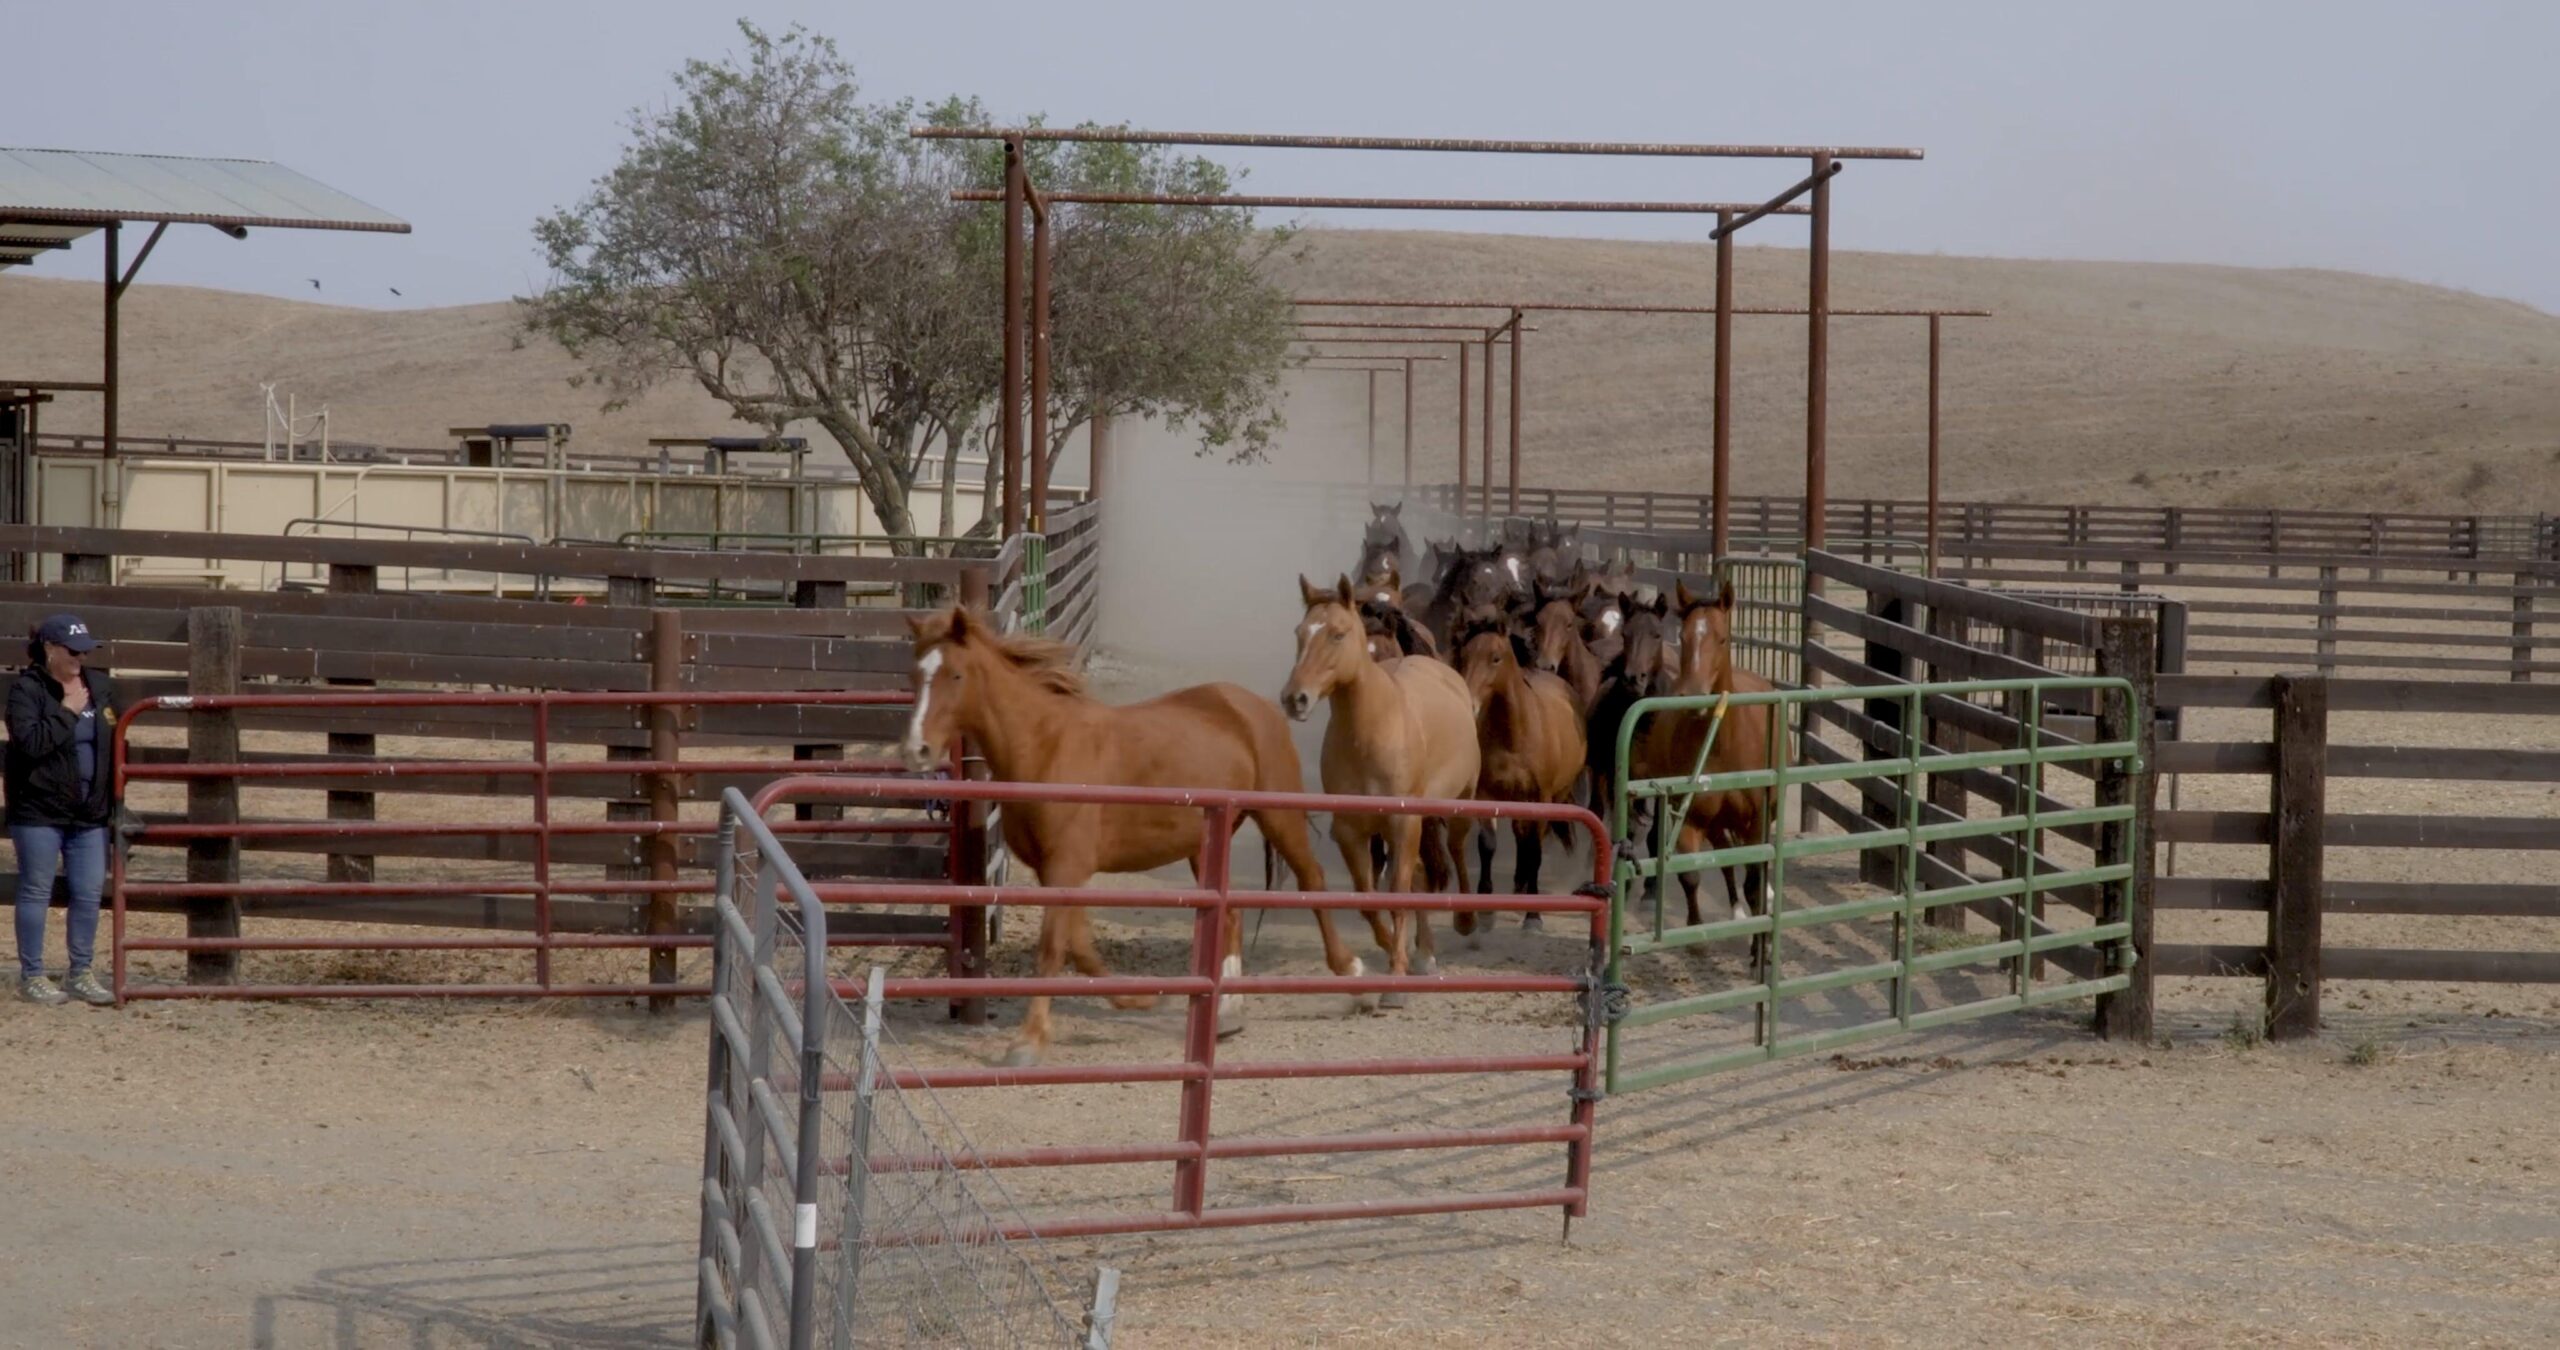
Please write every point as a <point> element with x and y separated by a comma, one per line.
<point>38,989</point>
<point>88,988</point>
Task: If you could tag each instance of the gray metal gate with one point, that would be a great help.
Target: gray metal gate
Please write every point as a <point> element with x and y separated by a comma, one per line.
<point>837,1207</point>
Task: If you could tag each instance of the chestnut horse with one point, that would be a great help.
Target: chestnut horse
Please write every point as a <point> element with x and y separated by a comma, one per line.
<point>1018,698</point>
<point>1530,732</point>
<point>1669,749</point>
<point>1562,649</point>
<point>1400,728</point>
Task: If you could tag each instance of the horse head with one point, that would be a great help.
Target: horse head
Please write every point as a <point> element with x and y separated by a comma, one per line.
<point>1706,639</point>
<point>1332,646</point>
<point>1555,626</point>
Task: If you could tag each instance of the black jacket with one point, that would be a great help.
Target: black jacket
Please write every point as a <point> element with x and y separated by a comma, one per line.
<point>44,764</point>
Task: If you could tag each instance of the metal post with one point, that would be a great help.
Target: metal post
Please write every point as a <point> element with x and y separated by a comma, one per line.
<point>1097,453</point>
<point>107,396</point>
<point>1408,424</point>
<point>666,676</point>
<point>1721,535</point>
<point>1459,506</point>
<point>1515,411</point>
<point>1009,413</point>
<point>1484,490</point>
<point>1817,362</point>
<point>1038,507</point>
<point>214,639</point>
<point>1932,527</point>
<point>1370,426</point>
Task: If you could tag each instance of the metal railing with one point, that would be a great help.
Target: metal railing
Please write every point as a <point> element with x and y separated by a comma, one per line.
<point>526,902</point>
<point>2099,953</point>
<point>1199,1071</point>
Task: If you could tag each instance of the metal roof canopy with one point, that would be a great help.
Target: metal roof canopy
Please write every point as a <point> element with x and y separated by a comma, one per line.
<point>51,198</point>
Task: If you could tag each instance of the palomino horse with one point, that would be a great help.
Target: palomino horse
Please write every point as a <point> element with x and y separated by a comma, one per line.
<point>1669,749</point>
<point>1530,732</point>
<point>1400,728</point>
<point>1018,699</point>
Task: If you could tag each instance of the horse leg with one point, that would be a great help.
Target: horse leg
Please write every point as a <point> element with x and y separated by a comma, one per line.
<point>1089,962</point>
<point>1692,840</point>
<point>1287,830</point>
<point>1033,1039</point>
<point>1231,964</point>
<point>1406,852</point>
<point>1529,837</point>
<point>1354,843</point>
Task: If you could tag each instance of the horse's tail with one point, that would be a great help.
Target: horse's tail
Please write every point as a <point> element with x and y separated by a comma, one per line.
<point>1270,865</point>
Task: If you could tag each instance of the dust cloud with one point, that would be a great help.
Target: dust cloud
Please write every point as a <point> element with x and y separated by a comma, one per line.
<point>1201,557</point>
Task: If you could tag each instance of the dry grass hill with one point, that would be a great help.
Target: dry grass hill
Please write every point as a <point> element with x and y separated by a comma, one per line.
<point>2118,382</point>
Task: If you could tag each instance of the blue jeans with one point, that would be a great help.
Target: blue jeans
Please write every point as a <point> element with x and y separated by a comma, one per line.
<point>45,852</point>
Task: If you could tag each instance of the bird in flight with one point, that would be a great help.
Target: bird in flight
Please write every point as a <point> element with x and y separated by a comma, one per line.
<point>395,290</point>
<point>315,282</point>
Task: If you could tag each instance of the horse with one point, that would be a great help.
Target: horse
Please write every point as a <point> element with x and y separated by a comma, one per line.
<point>1556,632</point>
<point>1400,728</point>
<point>1018,698</point>
<point>1470,580</point>
<point>1531,736</point>
<point>1669,749</point>
<point>1551,558</point>
<point>1392,631</point>
<point>1638,666</point>
<point>1382,543</point>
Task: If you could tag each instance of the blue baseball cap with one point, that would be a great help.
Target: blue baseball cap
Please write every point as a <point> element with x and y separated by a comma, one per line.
<point>66,630</point>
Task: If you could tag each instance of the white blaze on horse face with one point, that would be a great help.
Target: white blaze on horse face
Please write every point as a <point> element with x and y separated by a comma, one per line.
<point>1610,619</point>
<point>1512,565</point>
<point>926,669</point>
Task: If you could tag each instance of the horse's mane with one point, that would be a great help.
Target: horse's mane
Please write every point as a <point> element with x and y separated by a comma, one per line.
<point>1046,660</point>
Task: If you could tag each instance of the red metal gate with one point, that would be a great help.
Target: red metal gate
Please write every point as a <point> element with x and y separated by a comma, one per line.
<point>1199,1071</point>
<point>962,937</point>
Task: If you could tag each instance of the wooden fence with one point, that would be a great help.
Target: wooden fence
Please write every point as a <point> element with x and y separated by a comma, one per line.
<point>2270,530</point>
<point>2299,832</point>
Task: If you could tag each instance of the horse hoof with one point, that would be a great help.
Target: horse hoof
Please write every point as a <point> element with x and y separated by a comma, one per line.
<point>1533,923</point>
<point>1393,998</point>
<point>1430,966</point>
<point>1133,1002</point>
<point>1230,1024</point>
<point>1022,1056</point>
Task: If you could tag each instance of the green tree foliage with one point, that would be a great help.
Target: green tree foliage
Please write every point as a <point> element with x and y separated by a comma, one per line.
<point>792,250</point>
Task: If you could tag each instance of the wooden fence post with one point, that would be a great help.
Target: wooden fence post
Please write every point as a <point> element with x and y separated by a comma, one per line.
<point>352,579</point>
<point>829,595</point>
<point>2128,649</point>
<point>1946,791</point>
<point>2299,809</point>
<point>1878,866</point>
<point>2327,642</point>
<point>632,593</point>
<point>666,676</point>
<point>2520,626</point>
<point>970,820</point>
<point>214,636</point>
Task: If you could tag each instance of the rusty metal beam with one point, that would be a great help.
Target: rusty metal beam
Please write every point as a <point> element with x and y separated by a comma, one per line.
<point>1440,144</point>
<point>1825,168</point>
<point>1603,207</point>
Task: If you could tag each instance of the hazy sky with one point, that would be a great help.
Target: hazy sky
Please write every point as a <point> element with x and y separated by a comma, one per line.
<point>2405,139</point>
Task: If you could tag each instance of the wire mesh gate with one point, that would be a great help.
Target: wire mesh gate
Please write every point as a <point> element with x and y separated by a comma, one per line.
<point>832,1212</point>
<point>1860,939</point>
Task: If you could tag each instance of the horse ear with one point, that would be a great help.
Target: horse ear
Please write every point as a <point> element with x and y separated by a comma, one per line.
<point>1391,511</point>
<point>1724,594</point>
<point>961,622</point>
<point>1687,601</point>
<point>1342,588</point>
<point>1307,591</point>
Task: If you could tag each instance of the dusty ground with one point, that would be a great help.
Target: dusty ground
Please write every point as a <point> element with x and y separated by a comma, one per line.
<point>359,1175</point>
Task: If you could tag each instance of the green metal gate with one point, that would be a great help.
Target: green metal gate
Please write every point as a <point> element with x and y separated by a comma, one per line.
<point>1869,937</point>
<point>1035,583</point>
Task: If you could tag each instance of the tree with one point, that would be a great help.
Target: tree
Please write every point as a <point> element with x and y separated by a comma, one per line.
<point>796,253</point>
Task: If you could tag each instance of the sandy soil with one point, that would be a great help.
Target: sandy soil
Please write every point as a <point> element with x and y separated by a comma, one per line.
<point>359,1175</point>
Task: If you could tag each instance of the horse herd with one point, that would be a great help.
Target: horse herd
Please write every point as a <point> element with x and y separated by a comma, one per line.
<point>1505,677</point>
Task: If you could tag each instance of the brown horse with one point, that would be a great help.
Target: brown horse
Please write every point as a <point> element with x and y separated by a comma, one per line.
<point>1530,732</point>
<point>1562,650</point>
<point>1400,728</point>
<point>1019,699</point>
<point>1640,666</point>
<point>1382,543</point>
<point>1392,631</point>
<point>1669,749</point>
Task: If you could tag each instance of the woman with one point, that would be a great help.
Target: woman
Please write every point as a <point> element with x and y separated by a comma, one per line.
<point>61,796</point>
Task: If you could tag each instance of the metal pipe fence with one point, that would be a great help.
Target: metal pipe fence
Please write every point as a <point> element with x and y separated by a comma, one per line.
<point>1193,1151</point>
<point>561,871</point>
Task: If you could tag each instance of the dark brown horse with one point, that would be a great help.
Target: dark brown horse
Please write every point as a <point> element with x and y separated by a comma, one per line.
<point>1383,548</point>
<point>1019,699</point>
<point>1670,745</point>
<point>1530,735</point>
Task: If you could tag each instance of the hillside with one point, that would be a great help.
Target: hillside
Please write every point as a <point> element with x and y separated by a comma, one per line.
<point>2118,382</point>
